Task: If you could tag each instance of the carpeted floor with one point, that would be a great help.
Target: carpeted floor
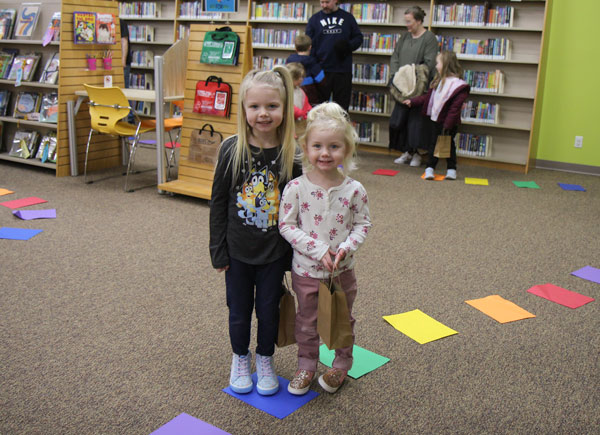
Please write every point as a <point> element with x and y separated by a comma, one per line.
<point>113,321</point>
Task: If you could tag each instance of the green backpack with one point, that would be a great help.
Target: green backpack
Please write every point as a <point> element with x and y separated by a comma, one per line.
<point>221,47</point>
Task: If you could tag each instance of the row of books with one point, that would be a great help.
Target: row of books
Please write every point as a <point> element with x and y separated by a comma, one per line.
<point>281,11</point>
<point>140,9</point>
<point>266,63</point>
<point>26,145</point>
<point>367,131</point>
<point>22,67</point>
<point>375,42</point>
<point>371,102</point>
<point>142,58</point>
<point>492,48</point>
<point>195,9</point>
<point>183,30</point>
<point>274,37</point>
<point>141,80</point>
<point>371,72</point>
<point>21,24</point>
<point>485,81</point>
<point>94,28</point>
<point>141,33</point>
<point>473,145</point>
<point>31,106</point>
<point>473,15</point>
<point>478,111</point>
<point>370,12</point>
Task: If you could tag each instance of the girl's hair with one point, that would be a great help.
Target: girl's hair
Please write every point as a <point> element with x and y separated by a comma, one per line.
<point>279,79</point>
<point>331,117</point>
<point>296,70</point>
<point>417,12</point>
<point>450,68</point>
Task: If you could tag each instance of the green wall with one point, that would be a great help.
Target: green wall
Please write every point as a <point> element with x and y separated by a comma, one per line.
<point>570,85</point>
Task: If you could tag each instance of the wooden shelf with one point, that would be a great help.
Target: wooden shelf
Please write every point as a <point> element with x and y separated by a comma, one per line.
<point>10,119</point>
<point>30,162</point>
<point>30,84</point>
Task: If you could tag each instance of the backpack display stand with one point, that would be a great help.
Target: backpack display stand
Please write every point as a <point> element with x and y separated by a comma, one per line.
<point>195,176</point>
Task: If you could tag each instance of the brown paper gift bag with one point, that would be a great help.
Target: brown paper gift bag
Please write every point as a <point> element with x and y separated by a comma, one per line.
<point>442,147</point>
<point>333,318</point>
<point>204,145</point>
<point>287,319</point>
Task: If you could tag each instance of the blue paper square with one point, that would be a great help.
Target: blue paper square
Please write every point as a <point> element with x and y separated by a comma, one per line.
<point>17,233</point>
<point>280,404</point>
<point>576,187</point>
<point>185,424</point>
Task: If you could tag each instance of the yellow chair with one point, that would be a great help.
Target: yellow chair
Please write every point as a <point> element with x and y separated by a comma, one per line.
<point>108,107</point>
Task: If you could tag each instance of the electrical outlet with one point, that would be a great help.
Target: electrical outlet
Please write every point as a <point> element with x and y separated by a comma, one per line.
<point>578,141</point>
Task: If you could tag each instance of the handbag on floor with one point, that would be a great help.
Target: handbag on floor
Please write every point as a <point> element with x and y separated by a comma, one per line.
<point>443,146</point>
<point>287,318</point>
<point>213,97</point>
<point>333,317</point>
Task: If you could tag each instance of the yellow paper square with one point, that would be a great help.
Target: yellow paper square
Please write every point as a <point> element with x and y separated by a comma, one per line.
<point>500,309</point>
<point>5,191</point>
<point>419,326</point>
<point>477,181</point>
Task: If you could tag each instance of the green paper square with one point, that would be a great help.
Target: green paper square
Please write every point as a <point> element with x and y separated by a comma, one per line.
<point>528,184</point>
<point>365,361</point>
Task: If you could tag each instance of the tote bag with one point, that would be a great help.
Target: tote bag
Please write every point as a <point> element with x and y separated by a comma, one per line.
<point>221,47</point>
<point>333,317</point>
<point>442,147</point>
<point>204,145</point>
<point>287,319</point>
<point>213,97</point>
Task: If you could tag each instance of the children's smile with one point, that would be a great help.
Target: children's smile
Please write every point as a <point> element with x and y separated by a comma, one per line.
<point>326,149</point>
<point>264,109</point>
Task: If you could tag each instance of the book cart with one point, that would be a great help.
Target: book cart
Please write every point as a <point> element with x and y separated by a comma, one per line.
<point>195,179</point>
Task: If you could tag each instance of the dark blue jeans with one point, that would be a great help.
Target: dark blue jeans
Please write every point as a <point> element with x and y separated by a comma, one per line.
<point>241,280</point>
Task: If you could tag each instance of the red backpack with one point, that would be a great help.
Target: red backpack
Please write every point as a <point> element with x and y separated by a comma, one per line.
<point>213,97</point>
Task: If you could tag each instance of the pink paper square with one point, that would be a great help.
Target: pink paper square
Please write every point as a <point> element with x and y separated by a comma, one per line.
<point>560,295</point>
<point>388,172</point>
<point>23,202</point>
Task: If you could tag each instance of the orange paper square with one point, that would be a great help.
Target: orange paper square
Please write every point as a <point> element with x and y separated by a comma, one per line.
<point>436,177</point>
<point>500,309</point>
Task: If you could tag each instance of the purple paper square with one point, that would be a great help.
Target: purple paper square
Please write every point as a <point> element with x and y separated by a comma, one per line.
<point>185,424</point>
<point>35,214</point>
<point>588,272</point>
<point>575,187</point>
<point>280,404</point>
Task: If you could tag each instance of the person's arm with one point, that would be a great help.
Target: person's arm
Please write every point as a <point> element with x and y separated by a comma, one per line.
<point>361,222</point>
<point>420,100</point>
<point>395,59</point>
<point>289,210</point>
<point>453,116</point>
<point>356,36</point>
<point>430,52</point>
<point>219,207</point>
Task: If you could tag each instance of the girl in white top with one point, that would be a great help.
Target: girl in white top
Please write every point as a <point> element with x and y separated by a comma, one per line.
<point>324,214</point>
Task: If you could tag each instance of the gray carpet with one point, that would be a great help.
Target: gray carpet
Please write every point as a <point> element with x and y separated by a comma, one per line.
<point>113,321</point>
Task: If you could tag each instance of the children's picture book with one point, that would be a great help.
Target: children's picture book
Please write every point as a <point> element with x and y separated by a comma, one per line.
<point>27,63</point>
<point>24,144</point>
<point>84,27</point>
<point>6,60</point>
<point>27,20</point>
<point>7,22</point>
<point>53,30</point>
<point>49,108</point>
<point>4,99</point>
<point>27,106</point>
<point>47,150</point>
<point>50,73</point>
<point>220,5</point>
<point>105,29</point>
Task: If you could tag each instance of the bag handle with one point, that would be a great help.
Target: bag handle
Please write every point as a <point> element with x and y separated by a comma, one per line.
<point>208,127</point>
<point>222,35</point>
<point>331,278</point>
<point>219,80</point>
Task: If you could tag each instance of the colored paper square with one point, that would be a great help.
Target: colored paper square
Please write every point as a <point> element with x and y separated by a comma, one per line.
<point>280,404</point>
<point>575,187</point>
<point>526,184</point>
<point>500,309</point>
<point>185,424</point>
<point>364,361</point>
<point>17,233</point>
<point>388,172</point>
<point>560,295</point>
<point>477,181</point>
<point>23,202</point>
<point>27,215</point>
<point>588,272</point>
<point>436,177</point>
<point>5,192</point>
<point>419,326</point>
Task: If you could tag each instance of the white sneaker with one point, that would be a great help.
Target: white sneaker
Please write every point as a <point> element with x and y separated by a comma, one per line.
<point>240,380</point>
<point>403,159</point>
<point>451,174</point>
<point>429,174</point>
<point>416,160</point>
<point>267,383</point>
